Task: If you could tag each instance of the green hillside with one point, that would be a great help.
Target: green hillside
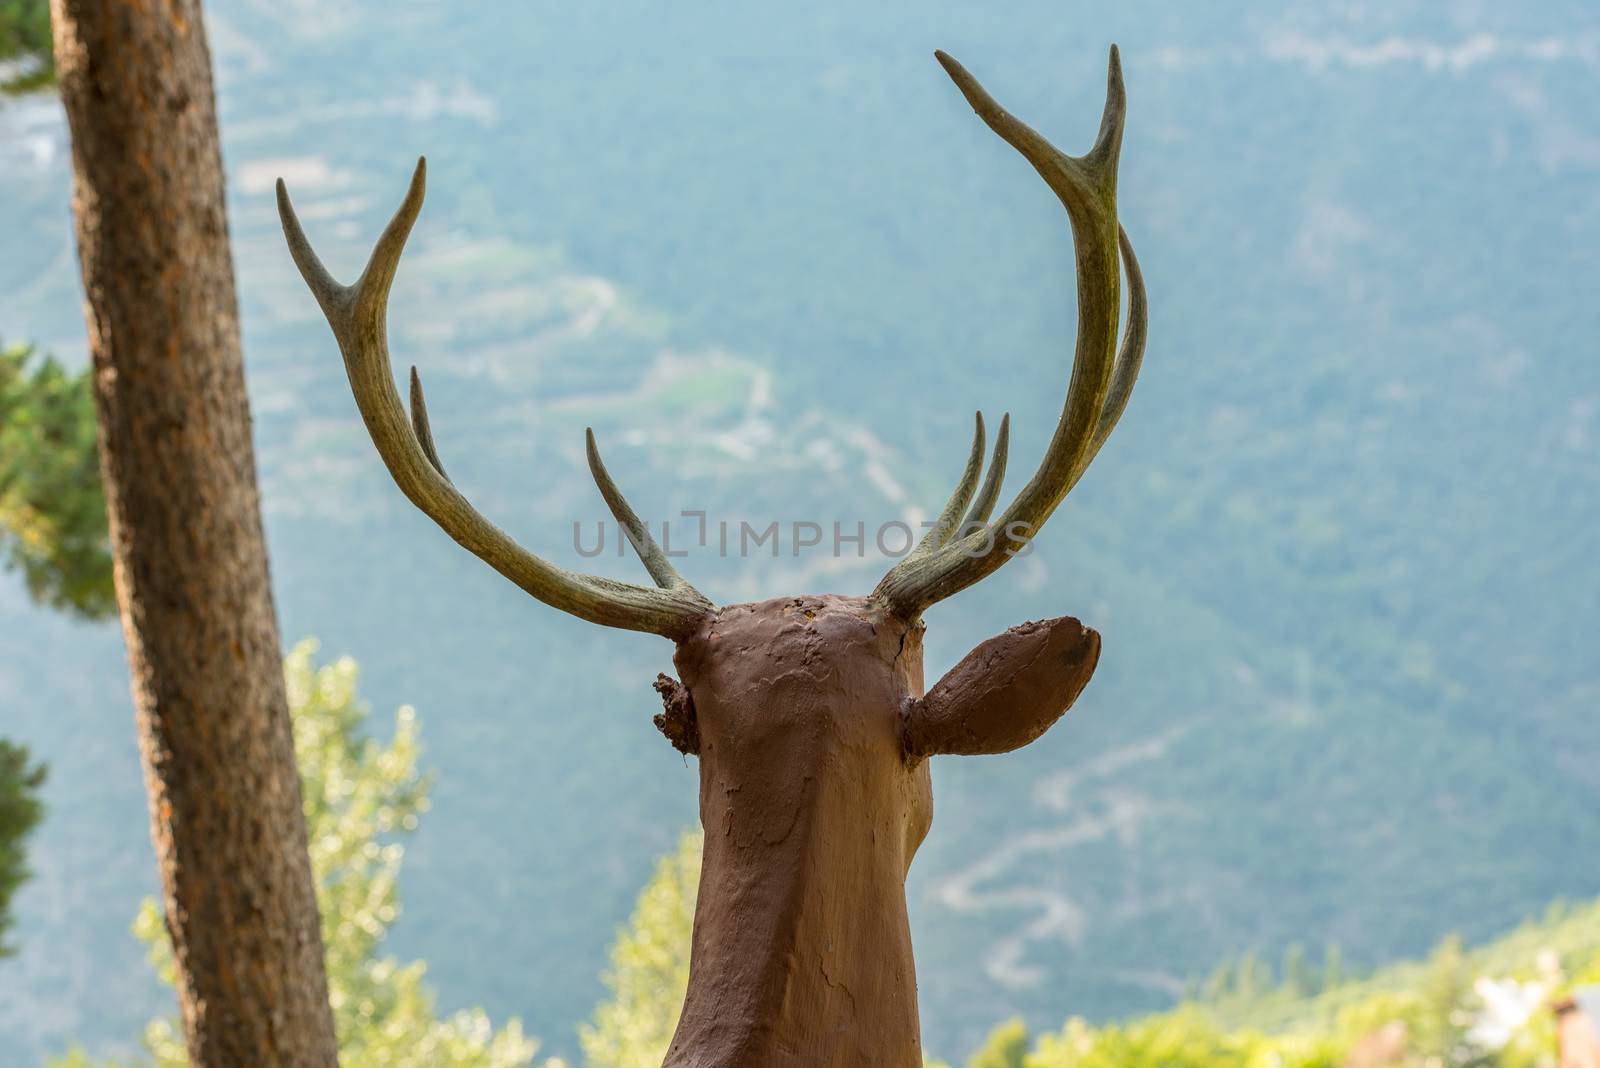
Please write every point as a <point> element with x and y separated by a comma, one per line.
<point>1488,1006</point>
<point>1562,948</point>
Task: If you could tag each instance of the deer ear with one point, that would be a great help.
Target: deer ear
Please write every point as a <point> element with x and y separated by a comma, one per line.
<point>1006,692</point>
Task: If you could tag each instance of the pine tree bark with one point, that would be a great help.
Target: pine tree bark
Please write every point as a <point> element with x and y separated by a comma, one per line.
<point>191,563</point>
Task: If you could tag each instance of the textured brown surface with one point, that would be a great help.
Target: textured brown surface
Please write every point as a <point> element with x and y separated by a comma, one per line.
<point>192,580</point>
<point>676,720</point>
<point>813,810</point>
<point>1006,692</point>
<point>802,951</point>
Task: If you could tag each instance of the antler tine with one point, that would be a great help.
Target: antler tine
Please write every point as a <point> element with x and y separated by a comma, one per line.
<point>1086,185</point>
<point>945,526</point>
<point>1098,165</point>
<point>655,561</point>
<point>983,504</point>
<point>1130,357</point>
<point>358,315</point>
<point>419,423</point>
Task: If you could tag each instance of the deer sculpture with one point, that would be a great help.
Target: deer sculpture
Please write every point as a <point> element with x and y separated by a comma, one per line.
<point>808,714</point>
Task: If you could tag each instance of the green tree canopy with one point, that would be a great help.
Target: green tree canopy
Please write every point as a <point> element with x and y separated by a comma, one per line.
<point>1007,1047</point>
<point>26,59</point>
<point>20,811</point>
<point>52,518</point>
<point>52,509</point>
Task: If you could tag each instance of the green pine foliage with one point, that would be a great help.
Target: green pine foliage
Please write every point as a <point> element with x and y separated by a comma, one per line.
<point>52,509</point>
<point>20,811</point>
<point>52,529</point>
<point>26,60</point>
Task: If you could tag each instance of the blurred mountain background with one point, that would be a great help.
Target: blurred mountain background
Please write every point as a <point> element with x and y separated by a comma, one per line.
<point>1341,548</point>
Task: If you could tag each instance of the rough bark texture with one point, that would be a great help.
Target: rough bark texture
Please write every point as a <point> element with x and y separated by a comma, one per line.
<point>191,563</point>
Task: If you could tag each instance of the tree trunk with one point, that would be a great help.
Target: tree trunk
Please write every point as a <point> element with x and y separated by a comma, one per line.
<point>191,563</point>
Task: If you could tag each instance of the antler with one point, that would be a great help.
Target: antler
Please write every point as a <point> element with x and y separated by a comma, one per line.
<point>1102,376</point>
<point>357,314</point>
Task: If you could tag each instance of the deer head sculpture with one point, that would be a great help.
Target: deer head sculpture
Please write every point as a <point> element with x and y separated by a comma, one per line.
<point>808,714</point>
